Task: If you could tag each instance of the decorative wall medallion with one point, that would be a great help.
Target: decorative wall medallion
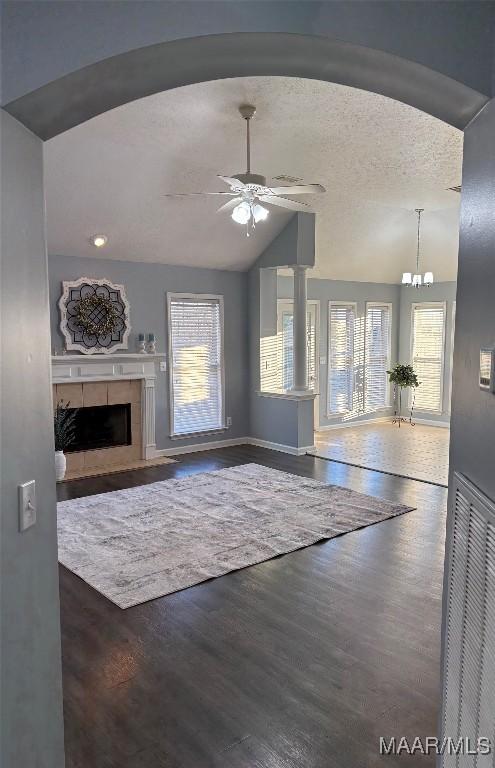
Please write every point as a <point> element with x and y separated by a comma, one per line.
<point>94,316</point>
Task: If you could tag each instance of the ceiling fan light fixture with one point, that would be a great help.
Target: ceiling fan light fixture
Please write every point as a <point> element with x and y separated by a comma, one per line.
<point>98,240</point>
<point>242,213</point>
<point>260,213</point>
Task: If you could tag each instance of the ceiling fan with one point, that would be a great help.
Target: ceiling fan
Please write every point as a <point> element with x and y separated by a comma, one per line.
<point>248,190</point>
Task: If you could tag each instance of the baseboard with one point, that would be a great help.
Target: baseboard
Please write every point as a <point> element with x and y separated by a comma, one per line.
<point>349,424</point>
<point>212,445</point>
<point>432,423</point>
<point>207,446</point>
<point>381,420</point>
<point>280,446</point>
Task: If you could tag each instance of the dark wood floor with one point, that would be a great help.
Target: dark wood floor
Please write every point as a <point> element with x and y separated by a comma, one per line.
<point>300,662</point>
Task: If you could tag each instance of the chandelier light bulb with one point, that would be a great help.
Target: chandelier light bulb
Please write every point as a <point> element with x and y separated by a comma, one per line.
<point>260,213</point>
<point>428,279</point>
<point>241,213</point>
<point>416,281</point>
<point>406,278</point>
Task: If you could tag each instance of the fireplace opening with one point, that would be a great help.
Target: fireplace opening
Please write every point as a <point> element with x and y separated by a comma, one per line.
<point>101,426</point>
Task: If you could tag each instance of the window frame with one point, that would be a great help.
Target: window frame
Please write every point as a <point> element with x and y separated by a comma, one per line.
<point>340,303</point>
<point>451,356</point>
<point>389,306</point>
<point>171,297</point>
<point>431,305</point>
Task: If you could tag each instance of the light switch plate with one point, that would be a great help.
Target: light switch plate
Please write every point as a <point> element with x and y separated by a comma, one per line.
<point>323,360</point>
<point>27,505</point>
<point>163,366</point>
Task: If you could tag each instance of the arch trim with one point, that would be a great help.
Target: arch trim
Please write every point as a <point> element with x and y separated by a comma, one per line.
<point>81,95</point>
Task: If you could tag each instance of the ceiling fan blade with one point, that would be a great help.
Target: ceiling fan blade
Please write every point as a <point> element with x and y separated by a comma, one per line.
<point>298,189</point>
<point>282,202</point>
<point>230,204</point>
<point>196,194</point>
<point>234,183</point>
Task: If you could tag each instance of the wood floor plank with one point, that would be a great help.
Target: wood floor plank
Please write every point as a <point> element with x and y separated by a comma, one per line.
<point>303,660</point>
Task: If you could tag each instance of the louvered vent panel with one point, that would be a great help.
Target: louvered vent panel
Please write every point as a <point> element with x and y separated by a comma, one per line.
<point>469,653</point>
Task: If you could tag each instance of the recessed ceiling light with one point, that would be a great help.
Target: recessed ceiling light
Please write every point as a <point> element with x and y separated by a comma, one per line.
<point>99,240</point>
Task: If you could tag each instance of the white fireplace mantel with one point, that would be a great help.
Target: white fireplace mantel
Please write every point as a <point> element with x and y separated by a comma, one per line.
<point>67,368</point>
<point>76,369</point>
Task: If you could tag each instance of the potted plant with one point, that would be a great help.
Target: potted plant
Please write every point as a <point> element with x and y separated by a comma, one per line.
<point>402,377</point>
<point>64,433</point>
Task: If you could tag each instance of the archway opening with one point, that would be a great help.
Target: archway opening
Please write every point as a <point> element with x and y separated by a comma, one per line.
<point>378,160</point>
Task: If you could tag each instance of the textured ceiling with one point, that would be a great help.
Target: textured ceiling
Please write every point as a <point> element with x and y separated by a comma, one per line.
<point>378,159</point>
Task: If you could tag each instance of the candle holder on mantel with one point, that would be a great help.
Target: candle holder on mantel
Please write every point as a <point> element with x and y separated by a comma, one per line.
<point>141,344</point>
<point>151,345</point>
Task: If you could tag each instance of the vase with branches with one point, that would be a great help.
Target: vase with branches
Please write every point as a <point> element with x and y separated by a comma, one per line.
<point>402,377</point>
<point>64,431</point>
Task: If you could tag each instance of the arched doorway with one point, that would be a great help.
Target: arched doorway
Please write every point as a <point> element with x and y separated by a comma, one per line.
<point>112,82</point>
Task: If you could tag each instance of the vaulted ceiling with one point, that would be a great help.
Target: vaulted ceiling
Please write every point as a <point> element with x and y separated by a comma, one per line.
<point>378,159</point>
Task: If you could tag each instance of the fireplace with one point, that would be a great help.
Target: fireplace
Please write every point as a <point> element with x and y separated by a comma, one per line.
<point>91,384</point>
<point>101,426</point>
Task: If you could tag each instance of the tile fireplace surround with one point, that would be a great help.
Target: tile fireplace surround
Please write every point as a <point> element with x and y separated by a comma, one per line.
<point>122,379</point>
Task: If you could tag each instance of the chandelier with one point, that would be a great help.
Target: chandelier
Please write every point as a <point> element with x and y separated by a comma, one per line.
<point>417,279</point>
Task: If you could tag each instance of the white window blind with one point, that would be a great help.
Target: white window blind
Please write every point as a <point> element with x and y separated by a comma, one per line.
<point>341,318</point>
<point>288,347</point>
<point>196,364</point>
<point>428,346</point>
<point>287,339</point>
<point>377,355</point>
<point>277,352</point>
<point>451,358</point>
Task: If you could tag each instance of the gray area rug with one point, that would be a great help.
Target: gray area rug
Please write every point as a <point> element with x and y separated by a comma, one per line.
<point>141,543</point>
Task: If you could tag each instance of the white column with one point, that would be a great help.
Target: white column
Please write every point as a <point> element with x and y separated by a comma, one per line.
<point>299,328</point>
<point>148,418</point>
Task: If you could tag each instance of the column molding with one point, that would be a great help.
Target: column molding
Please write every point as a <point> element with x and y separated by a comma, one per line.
<point>148,419</point>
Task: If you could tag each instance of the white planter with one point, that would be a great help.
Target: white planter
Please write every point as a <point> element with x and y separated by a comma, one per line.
<point>60,465</point>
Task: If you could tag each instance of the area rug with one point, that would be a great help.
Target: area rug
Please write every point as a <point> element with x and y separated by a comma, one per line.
<point>141,543</point>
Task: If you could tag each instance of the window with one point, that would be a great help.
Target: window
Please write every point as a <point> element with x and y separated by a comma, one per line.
<point>377,356</point>
<point>276,352</point>
<point>195,328</point>
<point>341,319</point>
<point>428,346</point>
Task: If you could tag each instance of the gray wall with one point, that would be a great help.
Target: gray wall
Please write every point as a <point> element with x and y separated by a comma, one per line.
<point>146,286</point>
<point>473,410</point>
<point>30,686</point>
<point>340,290</point>
<point>437,292</point>
<point>43,41</point>
<point>472,445</point>
<point>286,422</point>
